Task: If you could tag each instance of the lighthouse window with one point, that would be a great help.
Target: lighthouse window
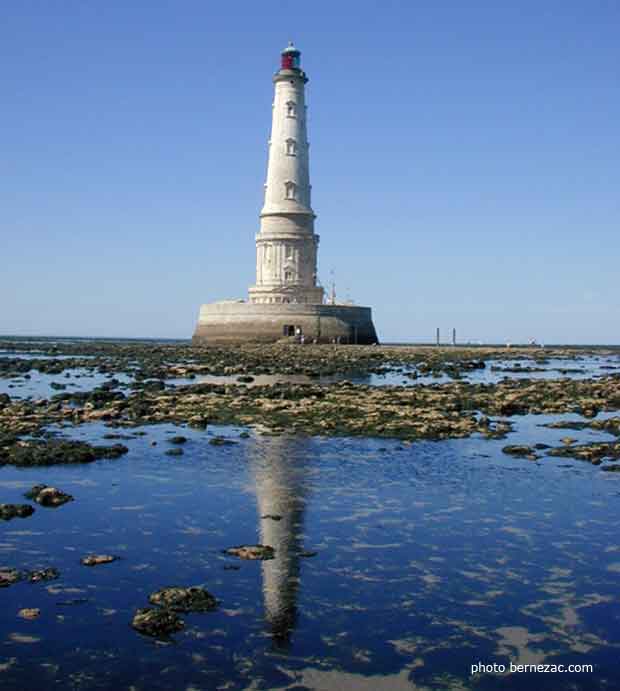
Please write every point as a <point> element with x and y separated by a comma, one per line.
<point>291,109</point>
<point>291,147</point>
<point>290,189</point>
<point>288,275</point>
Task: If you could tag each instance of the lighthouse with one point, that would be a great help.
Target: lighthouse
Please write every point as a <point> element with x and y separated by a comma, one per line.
<point>287,301</point>
<point>286,246</point>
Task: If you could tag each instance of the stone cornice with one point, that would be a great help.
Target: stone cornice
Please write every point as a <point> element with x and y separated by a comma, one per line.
<point>287,75</point>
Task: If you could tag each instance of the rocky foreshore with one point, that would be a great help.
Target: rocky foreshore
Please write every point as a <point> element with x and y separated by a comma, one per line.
<point>162,386</point>
<point>156,360</point>
<point>437,411</point>
<point>452,409</point>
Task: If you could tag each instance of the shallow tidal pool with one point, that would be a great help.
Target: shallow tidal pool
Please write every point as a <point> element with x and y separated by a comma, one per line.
<point>397,566</point>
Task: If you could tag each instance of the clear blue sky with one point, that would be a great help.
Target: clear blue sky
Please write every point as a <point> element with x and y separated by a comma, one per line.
<point>465,162</point>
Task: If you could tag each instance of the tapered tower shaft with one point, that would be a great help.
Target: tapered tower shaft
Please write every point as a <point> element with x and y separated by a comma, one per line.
<point>286,245</point>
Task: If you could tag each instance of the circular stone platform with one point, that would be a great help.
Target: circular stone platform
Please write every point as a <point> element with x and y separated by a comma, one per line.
<point>242,322</point>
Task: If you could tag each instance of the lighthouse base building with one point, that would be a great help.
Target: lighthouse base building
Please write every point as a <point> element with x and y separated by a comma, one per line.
<point>286,301</point>
<point>241,322</point>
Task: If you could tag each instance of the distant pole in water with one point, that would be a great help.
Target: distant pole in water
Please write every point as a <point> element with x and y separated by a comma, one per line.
<point>453,337</point>
<point>437,335</point>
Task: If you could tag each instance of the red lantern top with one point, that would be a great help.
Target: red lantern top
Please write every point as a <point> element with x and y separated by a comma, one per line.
<point>290,58</point>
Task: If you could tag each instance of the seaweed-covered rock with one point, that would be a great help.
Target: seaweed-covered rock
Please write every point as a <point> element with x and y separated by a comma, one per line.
<point>520,450</point>
<point>9,511</point>
<point>49,574</point>
<point>261,552</point>
<point>221,441</point>
<point>29,613</point>
<point>48,496</point>
<point>96,559</point>
<point>594,452</point>
<point>9,576</point>
<point>177,599</point>
<point>34,492</point>
<point>178,439</point>
<point>156,622</point>
<point>610,425</point>
<point>567,424</point>
<point>176,451</point>
<point>512,408</point>
<point>54,452</point>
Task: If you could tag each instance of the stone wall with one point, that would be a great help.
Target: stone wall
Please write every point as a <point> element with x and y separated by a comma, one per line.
<point>238,322</point>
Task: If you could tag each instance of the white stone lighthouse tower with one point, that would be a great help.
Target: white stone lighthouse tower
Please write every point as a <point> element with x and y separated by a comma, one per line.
<point>286,246</point>
<point>286,302</point>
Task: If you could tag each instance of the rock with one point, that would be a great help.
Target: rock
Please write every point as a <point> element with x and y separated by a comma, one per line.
<point>9,511</point>
<point>593,452</point>
<point>157,622</point>
<point>512,408</point>
<point>261,552</point>
<point>245,379</point>
<point>8,577</point>
<point>244,435</point>
<point>48,496</point>
<point>178,439</point>
<point>307,555</point>
<point>197,422</point>
<point>96,559</point>
<point>55,452</point>
<point>221,441</point>
<point>34,492</point>
<point>519,450</point>
<point>174,452</point>
<point>49,574</point>
<point>29,613</point>
<point>177,599</point>
<point>473,364</point>
<point>568,440</point>
<point>272,516</point>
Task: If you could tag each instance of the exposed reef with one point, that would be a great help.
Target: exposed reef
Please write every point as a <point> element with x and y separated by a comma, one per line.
<point>38,452</point>
<point>251,552</point>
<point>450,409</point>
<point>192,599</point>
<point>48,496</point>
<point>10,511</point>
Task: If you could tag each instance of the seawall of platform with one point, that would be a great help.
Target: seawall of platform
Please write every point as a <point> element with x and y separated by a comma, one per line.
<point>239,322</point>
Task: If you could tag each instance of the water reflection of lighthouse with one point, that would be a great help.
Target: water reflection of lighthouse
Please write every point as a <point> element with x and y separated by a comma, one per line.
<point>279,468</point>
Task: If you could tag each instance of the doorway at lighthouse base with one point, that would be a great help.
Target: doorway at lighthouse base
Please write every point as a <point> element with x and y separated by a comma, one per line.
<point>244,322</point>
